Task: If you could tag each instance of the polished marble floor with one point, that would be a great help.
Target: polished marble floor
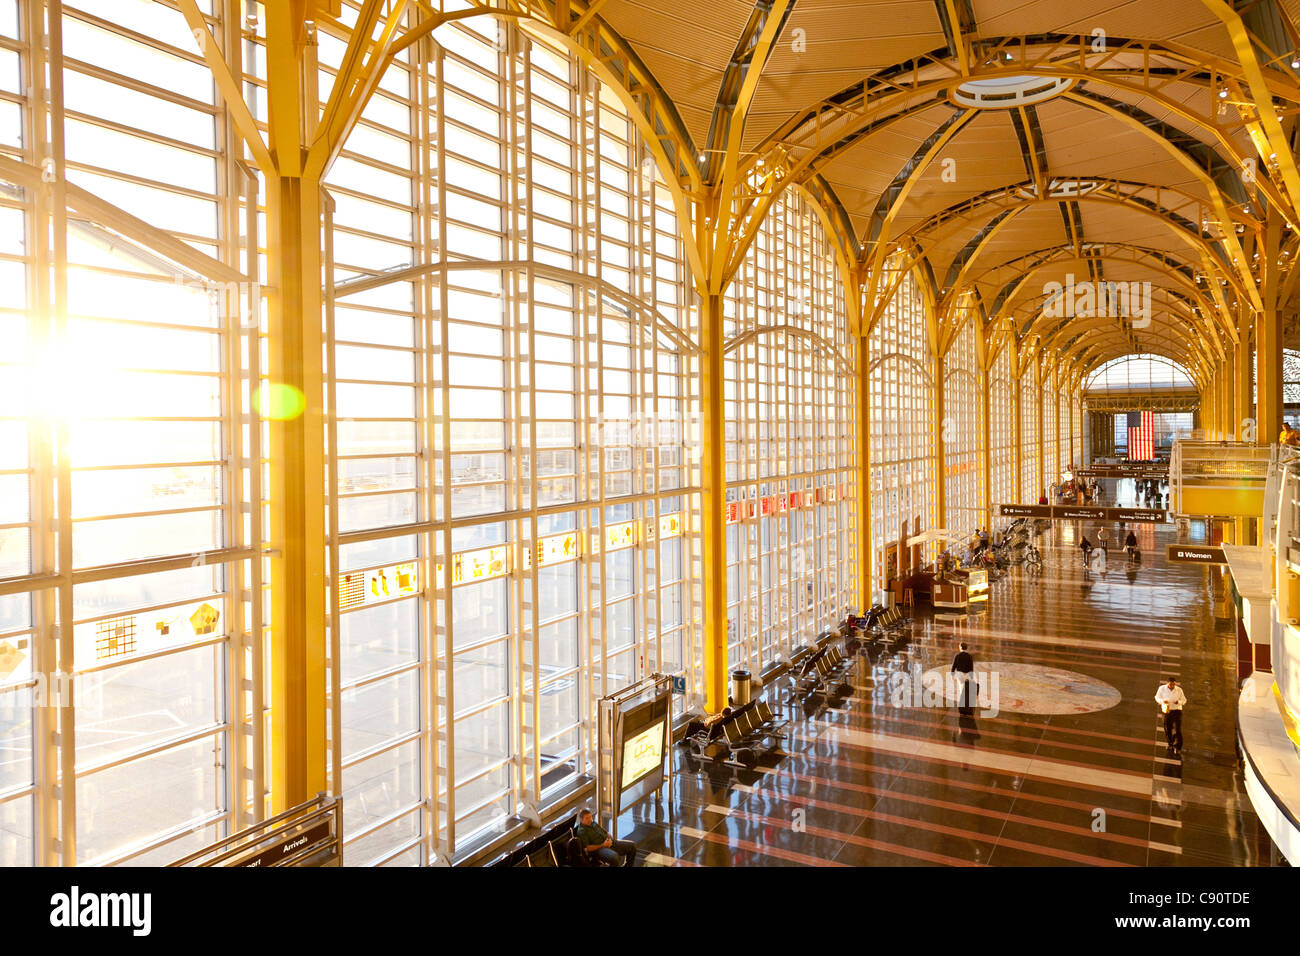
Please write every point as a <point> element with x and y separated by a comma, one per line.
<point>870,783</point>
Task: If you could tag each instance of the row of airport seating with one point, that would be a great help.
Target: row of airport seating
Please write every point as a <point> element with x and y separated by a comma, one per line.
<point>558,845</point>
<point>880,620</point>
<point>737,736</point>
<point>825,670</point>
<point>555,846</point>
<point>740,736</point>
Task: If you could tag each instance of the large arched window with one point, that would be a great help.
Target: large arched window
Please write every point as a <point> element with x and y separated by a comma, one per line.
<point>128,481</point>
<point>515,477</point>
<point>791,478</point>
<point>902,429</point>
<point>1051,426</point>
<point>961,426</point>
<point>1002,433</point>
<point>1142,372</point>
<point>1031,483</point>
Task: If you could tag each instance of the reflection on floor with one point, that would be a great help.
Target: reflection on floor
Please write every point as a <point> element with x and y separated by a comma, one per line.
<point>873,784</point>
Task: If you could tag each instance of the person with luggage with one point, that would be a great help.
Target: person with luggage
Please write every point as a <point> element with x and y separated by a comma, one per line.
<point>1086,546</point>
<point>1131,546</point>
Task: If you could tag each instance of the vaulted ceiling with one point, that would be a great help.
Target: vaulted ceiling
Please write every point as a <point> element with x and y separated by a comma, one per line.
<point>1131,167</point>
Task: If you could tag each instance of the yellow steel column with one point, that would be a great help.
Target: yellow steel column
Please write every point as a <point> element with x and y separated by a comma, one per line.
<point>1209,422</point>
<point>295,406</point>
<point>1069,420</point>
<point>1056,410</point>
<point>1018,455</point>
<point>1268,336</point>
<point>866,554</point>
<point>1212,400</point>
<point>986,440</point>
<point>940,465</point>
<point>1038,419</point>
<point>713,504</point>
<point>1243,403</point>
<point>1243,410</point>
<point>1230,418</point>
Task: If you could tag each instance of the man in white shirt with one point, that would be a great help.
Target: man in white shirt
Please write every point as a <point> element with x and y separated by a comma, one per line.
<point>1171,699</point>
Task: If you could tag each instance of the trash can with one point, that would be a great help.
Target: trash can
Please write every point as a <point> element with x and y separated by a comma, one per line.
<point>740,687</point>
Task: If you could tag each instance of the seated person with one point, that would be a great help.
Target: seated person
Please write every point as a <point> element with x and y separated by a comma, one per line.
<point>598,844</point>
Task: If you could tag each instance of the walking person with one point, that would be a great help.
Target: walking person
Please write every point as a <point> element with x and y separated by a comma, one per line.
<point>1172,700</point>
<point>1103,540</point>
<point>963,665</point>
<point>1131,546</point>
<point>1086,546</point>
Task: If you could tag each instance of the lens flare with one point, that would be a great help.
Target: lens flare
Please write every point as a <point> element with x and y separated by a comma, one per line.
<point>279,402</point>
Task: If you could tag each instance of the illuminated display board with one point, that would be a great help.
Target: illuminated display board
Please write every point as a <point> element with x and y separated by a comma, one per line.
<point>643,753</point>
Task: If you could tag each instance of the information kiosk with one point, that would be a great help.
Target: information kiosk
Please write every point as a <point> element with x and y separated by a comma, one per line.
<point>634,759</point>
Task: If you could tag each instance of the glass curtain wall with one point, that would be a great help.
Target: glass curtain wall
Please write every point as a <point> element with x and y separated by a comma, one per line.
<point>962,428</point>
<point>512,467</point>
<point>1051,438</point>
<point>902,428</point>
<point>1080,453</point>
<point>130,601</point>
<point>515,472</point>
<point>1031,484</point>
<point>790,426</point>
<point>1002,431</point>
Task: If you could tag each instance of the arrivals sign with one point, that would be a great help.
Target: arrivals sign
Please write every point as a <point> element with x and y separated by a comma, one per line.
<point>290,845</point>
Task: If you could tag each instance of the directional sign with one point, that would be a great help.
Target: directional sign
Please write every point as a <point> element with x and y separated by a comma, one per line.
<point>1077,513</point>
<point>1196,554</point>
<point>1136,514</point>
<point>1119,471</point>
<point>1025,511</point>
<point>290,845</point>
<point>1073,513</point>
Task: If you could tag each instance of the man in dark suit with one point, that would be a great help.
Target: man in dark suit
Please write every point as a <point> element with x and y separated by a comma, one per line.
<point>963,665</point>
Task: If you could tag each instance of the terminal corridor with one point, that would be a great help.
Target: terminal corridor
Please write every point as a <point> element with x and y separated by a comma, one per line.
<point>559,433</point>
<point>871,784</point>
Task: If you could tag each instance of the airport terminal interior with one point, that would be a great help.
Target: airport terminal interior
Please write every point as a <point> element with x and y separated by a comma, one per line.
<point>425,421</point>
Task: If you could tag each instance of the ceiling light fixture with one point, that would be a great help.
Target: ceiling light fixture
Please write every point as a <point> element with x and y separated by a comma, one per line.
<point>1005,92</point>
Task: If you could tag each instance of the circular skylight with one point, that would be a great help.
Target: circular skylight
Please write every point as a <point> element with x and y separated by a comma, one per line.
<point>1003,92</point>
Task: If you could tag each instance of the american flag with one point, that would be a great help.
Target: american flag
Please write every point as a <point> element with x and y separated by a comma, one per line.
<point>1141,436</point>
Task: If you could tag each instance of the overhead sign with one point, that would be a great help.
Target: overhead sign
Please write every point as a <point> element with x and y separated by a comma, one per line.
<point>1196,554</point>
<point>1075,513</point>
<point>1025,511</point>
<point>1070,512</point>
<point>1136,514</point>
<point>1125,471</point>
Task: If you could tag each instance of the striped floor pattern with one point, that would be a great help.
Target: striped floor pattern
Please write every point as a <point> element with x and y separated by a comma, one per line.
<point>872,784</point>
